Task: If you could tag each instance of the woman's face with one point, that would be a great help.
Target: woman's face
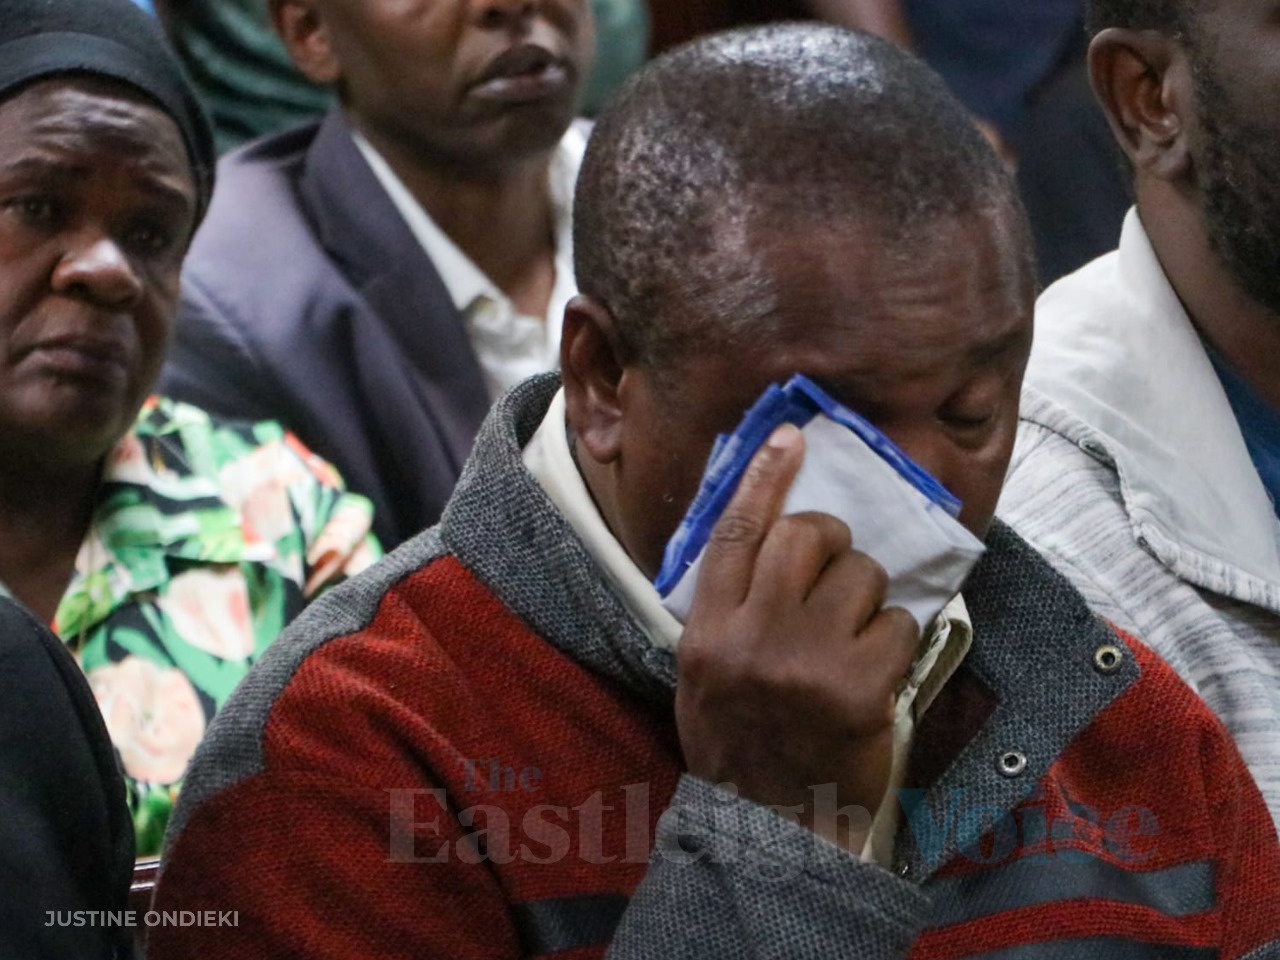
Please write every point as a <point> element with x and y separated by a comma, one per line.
<point>97,206</point>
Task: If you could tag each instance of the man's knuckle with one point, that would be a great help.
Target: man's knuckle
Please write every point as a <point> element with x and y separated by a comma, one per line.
<point>694,662</point>
<point>718,652</point>
<point>901,620</point>
<point>735,530</point>
<point>834,530</point>
<point>793,534</point>
<point>871,573</point>
<point>783,674</point>
<point>809,534</point>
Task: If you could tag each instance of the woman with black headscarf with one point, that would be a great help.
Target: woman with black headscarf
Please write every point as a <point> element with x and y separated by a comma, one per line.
<point>165,547</point>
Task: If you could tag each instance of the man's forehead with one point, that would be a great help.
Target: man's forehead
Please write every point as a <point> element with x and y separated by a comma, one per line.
<point>767,278</point>
<point>987,251</point>
<point>960,284</point>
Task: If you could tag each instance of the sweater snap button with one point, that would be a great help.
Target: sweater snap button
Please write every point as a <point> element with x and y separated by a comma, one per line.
<point>1107,659</point>
<point>1012,763</point>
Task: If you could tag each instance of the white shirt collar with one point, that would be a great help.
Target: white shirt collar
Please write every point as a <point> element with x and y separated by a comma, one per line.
<point>507,353</point>
<point>548,458</point>
<point>1116,349</point>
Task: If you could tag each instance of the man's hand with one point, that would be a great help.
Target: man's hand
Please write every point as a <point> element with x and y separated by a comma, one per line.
<point>788,665</point>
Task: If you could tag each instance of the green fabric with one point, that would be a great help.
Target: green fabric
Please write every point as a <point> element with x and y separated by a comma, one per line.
<point>250,87</point>
<point>240,70</point>
<point>622,45</point>
<point>207,538</point>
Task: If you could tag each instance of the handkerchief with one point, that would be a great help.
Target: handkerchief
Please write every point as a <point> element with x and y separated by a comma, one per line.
<point>897,513</point>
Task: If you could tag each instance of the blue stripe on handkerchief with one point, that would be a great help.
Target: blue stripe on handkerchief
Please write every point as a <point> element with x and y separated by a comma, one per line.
<point>798,402</point>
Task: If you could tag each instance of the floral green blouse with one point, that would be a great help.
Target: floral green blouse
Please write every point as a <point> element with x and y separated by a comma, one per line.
<point>208,537</point>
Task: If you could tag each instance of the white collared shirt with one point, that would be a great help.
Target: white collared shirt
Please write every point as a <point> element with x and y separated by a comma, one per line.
<point>548,458</point>
<point>509,345</point>
<point>1132,477</point>
<point>1114,347</point>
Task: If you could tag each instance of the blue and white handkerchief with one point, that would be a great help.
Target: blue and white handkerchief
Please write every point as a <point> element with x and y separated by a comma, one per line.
<point>898,514</point>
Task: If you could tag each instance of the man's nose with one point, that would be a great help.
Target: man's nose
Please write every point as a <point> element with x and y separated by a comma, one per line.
<point>501,13</point>
<point>98,270</point>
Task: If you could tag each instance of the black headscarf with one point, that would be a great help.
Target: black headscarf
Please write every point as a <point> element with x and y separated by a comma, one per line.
<point>106,38</point>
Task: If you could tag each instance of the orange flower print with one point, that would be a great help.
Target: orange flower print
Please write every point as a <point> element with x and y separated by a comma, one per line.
<point>127,463</point>
<point>153,715</point>
<point>342,549</point>
<point>258,486</point>
<point>321,469</point>
<point>209,609</point>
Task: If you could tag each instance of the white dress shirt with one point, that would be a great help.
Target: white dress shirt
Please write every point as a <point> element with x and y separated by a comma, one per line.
<point>510,345</point>
<point>1132,476</point>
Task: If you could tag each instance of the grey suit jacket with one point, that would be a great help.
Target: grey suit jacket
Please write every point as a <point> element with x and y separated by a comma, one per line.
<point>306,299</point>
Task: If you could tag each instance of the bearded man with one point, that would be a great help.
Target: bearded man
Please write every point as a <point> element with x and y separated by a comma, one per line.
<point>1148,462</point>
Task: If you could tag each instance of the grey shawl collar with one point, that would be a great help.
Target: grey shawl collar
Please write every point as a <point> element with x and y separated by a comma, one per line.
<point>1034,639</point>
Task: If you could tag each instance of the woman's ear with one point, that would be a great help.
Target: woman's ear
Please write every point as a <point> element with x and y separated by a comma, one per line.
<point>1143,80</point>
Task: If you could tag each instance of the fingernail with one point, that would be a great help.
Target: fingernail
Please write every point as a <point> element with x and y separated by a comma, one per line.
<point>784,438</point>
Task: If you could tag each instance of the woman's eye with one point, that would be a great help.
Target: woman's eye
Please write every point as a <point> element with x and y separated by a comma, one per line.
<point>37,208</point>
<point>149,239</point>
<point>35,211</point>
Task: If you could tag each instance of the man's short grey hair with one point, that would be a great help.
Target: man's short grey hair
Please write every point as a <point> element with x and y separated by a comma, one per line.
<point>783,129</point>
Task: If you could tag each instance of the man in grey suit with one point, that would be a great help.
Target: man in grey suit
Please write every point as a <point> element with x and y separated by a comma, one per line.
<point>375,279</point>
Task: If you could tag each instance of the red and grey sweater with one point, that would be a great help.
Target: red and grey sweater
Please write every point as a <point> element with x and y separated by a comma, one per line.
<point>470,753</point>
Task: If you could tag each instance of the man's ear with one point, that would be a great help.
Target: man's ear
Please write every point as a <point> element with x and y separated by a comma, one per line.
<point>591,365</point>
<point>305,36</point>
<point>1143,79</point>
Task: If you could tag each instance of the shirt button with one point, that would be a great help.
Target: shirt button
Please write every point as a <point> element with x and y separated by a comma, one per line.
<point>1012,763</point>
<point>1107,658</point>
